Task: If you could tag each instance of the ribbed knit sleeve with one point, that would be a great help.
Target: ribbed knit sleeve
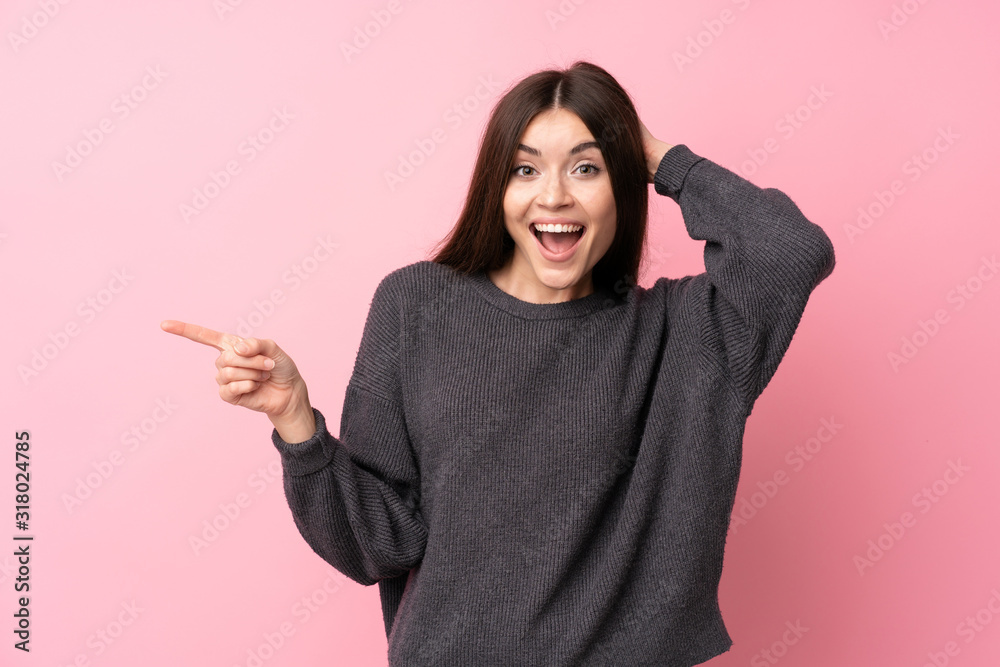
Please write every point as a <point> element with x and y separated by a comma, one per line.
<point>353,498</point>
<point>762,260</point>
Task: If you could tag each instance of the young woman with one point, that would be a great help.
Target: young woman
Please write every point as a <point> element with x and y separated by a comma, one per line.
<point>538,457</point>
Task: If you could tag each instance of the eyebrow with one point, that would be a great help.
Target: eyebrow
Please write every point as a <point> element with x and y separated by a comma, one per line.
<point>576,149</point>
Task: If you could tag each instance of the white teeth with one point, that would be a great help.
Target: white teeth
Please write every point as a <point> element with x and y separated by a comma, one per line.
<point>552,227</point>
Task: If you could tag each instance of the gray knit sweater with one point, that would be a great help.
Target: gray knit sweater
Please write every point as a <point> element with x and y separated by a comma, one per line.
<point>551,484</point>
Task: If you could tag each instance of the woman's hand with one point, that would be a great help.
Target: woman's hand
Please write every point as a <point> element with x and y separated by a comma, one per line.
<point>655,150</point>
<point>257,374</point>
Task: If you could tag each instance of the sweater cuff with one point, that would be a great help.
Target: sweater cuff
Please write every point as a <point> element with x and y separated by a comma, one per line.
<point>673,169</point>
<point>307,457</point>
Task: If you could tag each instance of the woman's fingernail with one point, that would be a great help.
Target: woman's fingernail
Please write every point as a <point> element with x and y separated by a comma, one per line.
<point>241,348</point>
<point>269,364</point>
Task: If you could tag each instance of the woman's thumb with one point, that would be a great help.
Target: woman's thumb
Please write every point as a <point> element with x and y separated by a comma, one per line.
<point>249,347</point>
<point>245,346</point>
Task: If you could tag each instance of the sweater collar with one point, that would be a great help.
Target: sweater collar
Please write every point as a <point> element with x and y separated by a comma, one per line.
<point>594,301</point>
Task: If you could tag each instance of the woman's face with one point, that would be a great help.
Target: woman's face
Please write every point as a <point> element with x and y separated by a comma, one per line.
<point>559,178</point>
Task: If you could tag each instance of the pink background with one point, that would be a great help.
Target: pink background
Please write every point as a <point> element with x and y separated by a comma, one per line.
<point>111,230</point>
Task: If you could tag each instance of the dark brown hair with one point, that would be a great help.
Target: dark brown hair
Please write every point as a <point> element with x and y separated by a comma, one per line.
<point>480,241</point>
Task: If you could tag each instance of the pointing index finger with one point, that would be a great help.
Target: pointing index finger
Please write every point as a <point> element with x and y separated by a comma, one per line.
<point>198,334</point>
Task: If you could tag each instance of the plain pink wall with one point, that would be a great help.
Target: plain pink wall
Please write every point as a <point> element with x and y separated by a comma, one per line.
<point>161,96</point>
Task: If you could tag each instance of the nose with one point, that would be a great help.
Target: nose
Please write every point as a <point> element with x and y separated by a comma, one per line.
<point>554,192</point>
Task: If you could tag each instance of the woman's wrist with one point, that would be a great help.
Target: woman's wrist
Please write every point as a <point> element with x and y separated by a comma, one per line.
<point>654,156</point>
<point>297,428</point>
<point>297,424</point>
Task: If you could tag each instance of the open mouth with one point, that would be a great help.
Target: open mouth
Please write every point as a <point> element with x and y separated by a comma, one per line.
<point>558,241</point>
